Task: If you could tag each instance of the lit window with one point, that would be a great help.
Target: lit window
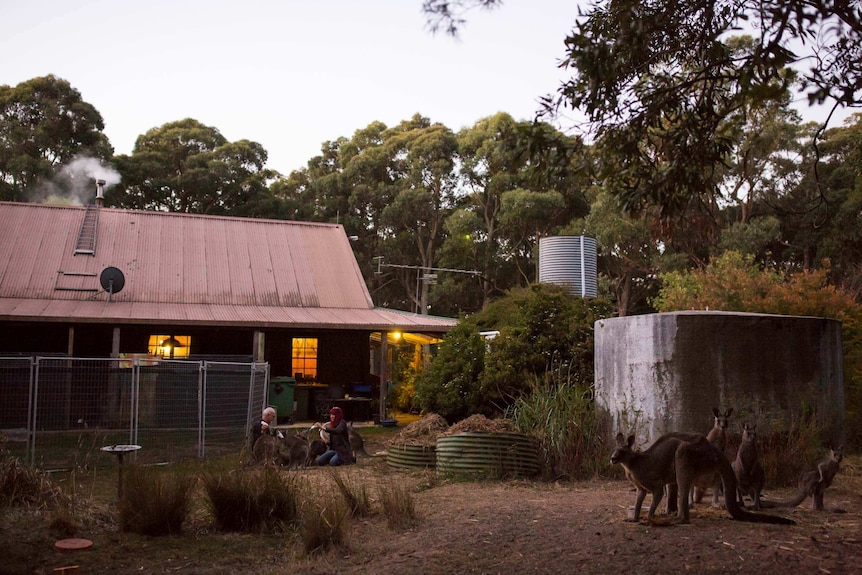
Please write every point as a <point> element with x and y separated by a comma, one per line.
<point>305,357</point>
<point>170,346</point>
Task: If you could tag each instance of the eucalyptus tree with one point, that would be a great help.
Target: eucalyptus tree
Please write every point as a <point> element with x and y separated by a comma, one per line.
<point>657,80</point>
<point>185,166</point>
<point>44,124</point>
<point>820,214</point>
<point>422,165</point>
<point>521,180</point>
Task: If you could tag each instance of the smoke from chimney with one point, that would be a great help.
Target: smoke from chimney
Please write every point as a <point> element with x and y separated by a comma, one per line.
<point>73,183</point>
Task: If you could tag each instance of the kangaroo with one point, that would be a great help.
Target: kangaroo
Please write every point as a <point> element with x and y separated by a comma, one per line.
<point>649,471</point>
<point>297,450</point>
<point>266,449</point>
<point>356,441</point>
<point>316,448</point>
<point>814,483</point>
<point>750,477</point>
<point>718,437</point>
<point>700,459</point>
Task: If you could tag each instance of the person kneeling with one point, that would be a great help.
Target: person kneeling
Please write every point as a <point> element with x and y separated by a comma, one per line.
<point>339,452</point>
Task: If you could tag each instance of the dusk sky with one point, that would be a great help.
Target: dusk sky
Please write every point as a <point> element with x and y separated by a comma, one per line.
<point>288,74</point>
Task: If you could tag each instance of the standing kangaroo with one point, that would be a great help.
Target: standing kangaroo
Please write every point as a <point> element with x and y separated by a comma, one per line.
<point>815,482</point>
<point>750,477</point>
<point>700,459</point>
<point>718,437</point>
<point>356,441</point>
<point>650,470</point>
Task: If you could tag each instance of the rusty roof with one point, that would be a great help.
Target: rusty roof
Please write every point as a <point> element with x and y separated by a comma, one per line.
<point>185,268</point>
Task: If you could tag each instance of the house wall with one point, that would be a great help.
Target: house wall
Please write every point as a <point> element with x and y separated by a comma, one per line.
<point>343,356</point>
<point>664,372</point>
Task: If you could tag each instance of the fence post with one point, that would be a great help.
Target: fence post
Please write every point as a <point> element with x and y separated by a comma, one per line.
<point>202,402</point>
<point>31,411</point>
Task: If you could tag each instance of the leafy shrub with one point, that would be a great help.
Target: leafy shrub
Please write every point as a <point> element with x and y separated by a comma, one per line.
<point>251,500</point>
<point>540,326</point>
<point>155,501</point>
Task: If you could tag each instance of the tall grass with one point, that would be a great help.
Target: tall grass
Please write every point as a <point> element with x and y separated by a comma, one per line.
<point>325,524</point>
<point>561,414</point>
<point>399,506</point>
<point>155,501</point>
<point>355,495</point>
<point>251,500</point>
<point>785,455</point>
<point>23,486</point>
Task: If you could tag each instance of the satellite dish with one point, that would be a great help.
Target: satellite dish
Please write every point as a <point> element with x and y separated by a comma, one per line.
<point>112,280</point>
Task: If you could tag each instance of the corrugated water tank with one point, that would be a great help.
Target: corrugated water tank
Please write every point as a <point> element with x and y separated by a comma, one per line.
<point>569,261</point>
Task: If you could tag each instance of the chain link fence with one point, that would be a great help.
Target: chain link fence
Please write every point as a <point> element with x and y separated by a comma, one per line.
<point>58,412</point>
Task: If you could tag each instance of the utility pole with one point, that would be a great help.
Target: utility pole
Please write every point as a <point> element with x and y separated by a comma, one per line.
<point>424,278</point>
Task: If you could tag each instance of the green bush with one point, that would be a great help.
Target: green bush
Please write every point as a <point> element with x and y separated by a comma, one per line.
<point>540,326</point>
<point>155,501</point>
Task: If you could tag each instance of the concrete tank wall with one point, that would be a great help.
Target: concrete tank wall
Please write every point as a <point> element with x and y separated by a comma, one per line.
<point>665,372</point>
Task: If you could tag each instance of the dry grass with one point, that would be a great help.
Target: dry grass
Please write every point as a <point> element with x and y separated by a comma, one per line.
<point>324,525</point>
<point>155,501</point>
<point>355,494</point>
<point>250,500</point>
<point>399,505</point>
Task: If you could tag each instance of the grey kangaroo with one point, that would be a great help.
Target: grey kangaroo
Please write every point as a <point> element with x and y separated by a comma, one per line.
<point>356,441</point>
<point>718,437</point>
<point>650,470</point>
<point>750,477</point>
<point>814,483</point>
<point>678,460</point>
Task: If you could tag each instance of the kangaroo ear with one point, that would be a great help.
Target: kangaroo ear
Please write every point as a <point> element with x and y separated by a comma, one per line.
<point>620,438</point>
<point>715,411</point>
<point>630,441</point>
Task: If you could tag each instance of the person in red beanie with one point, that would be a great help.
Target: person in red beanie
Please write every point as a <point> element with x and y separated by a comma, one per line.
<point>339,452</point>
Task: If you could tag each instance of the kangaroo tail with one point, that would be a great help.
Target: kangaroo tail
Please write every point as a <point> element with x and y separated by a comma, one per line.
<point>737,512</point>
<point>789,503</point>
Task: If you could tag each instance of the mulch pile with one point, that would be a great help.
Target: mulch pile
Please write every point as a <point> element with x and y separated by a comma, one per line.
<point>423,432</point>
<point>481,424</point>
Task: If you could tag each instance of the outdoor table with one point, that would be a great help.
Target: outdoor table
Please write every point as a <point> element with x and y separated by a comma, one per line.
<point>119,451</point>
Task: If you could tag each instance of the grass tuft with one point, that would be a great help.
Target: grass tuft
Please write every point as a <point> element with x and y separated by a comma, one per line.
<point>155,501</point>
<point>251,500</point>
<point>399,505</point>
<point>355,495</point>
<point>324,526</point>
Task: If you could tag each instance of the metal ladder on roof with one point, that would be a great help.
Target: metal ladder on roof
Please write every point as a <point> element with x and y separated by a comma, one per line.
<point>86,243</point>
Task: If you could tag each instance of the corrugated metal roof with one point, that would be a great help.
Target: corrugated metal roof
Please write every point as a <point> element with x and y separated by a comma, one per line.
<point>187,268</point>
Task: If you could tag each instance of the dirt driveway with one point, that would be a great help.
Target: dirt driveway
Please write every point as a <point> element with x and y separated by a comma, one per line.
<point>484,528</point>
<point>556,529</point>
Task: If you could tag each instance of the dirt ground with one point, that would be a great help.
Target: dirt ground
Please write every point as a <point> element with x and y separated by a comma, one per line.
<point>484,528</point>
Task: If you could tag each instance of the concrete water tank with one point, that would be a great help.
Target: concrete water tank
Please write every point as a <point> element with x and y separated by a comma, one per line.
<point>569,261</point>
<point>664,372</point>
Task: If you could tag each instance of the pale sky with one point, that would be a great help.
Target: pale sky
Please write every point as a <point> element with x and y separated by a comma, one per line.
<point>288,74</point>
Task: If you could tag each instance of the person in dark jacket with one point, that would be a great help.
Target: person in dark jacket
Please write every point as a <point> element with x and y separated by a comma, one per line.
<point>263,426</point>
<point>339,452</point>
